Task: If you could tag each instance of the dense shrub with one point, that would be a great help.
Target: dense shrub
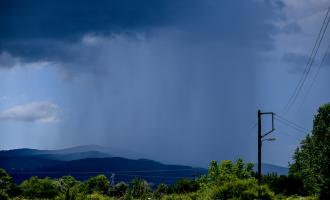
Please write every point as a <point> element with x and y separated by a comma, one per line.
<point>39,188</point>
<point>188,196</point>
<point>139,188</point>
<point>241,189</point>
<point>99,184</point>
<point>7,186</point>
<point>3,195</point>
<point>185,186</point>
<point>161,190</point>
<point>119,189</point>
<point>66,182</point>
<point>286,185</point>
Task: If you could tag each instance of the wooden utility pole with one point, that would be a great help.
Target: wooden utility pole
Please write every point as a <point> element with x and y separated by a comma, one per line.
<point>260,139</point>
<point>259,147</point>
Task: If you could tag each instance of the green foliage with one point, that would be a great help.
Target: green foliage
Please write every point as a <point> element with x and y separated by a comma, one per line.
<point>99,184</point>
<point>3,195</point>
<point>35,188</point>
<point>66,182</point>
<point>241,189</point>
<point>119,189</point>
<point>185,186</point>
<point>226,171</point>
<point>312,158</point>
<point>188,196</point>
<point>162,190</point>
<point>286,185</point>
<point>5,181</point>
<point>296,197</point>
<point>96,196</point>
<point>139,188</point>
<point>7,187</point>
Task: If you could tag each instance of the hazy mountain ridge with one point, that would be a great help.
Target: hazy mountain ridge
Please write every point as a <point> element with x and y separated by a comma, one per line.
<point>82,163</point>
<point>85,161</point>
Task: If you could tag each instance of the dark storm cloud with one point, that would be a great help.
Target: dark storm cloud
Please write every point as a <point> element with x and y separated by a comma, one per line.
<point>52,30</point>
<point>39,29</point>
<point>69,19</point>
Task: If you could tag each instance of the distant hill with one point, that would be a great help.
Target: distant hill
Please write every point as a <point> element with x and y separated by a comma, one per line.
<point>78,152</point>
<point>270,168</point>
<point>24,163</point>
<point>83,162</point>
<point>96,148</point>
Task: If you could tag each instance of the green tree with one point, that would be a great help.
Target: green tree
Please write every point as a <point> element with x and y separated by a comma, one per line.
<point>98,184</point>
<point>185,186</point>
<point>312,158</point>
<point>35,188</point>
<point>162,190</point>
<point>139,188</point>
<point>285,185</point>
<point>5,181</point>
<point>226,170</point>
<point>119,189</point>
<point>7,186</point>
<point>65,183</point>
<point>3,195</point>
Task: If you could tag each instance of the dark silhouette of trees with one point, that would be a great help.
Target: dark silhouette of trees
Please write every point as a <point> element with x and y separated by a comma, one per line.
<point>312,158</point>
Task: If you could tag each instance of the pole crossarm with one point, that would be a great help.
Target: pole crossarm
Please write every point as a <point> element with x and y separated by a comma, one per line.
<point>268,133</point>
<point>273,129</point>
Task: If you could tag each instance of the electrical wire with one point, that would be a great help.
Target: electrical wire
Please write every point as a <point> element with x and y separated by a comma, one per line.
<point>310,62</point>
<point>316,74</point>
<point>293,127</point>
<point>292,123</point>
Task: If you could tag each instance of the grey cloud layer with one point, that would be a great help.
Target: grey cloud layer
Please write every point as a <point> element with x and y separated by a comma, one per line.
<point>32,112</point>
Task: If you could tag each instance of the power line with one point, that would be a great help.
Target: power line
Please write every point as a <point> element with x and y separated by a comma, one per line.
<point>316,74</point>
<point>292,126</point>
<point>286,133</point>
<point>292,123</point>
<point>310,62</point>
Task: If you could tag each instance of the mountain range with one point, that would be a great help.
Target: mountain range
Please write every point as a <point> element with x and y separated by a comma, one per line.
<point>83,162</point>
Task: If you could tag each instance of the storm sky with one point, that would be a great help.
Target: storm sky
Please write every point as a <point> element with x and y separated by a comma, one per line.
<point>176,81</point>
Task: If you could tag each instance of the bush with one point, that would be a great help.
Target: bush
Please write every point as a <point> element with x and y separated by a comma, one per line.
<point>139,188</point>
<point>99,184</point>
<point>185,186</point>
<point>161,190</point>
<point>287,185</point>
<point>241,189</point>
<point>39,188</point>
<point>119,189</point>
<point>67,182</point>
<point>3,195</point>
<point>7,186</point>
<point>227,171</point>
<point>96,196</point>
